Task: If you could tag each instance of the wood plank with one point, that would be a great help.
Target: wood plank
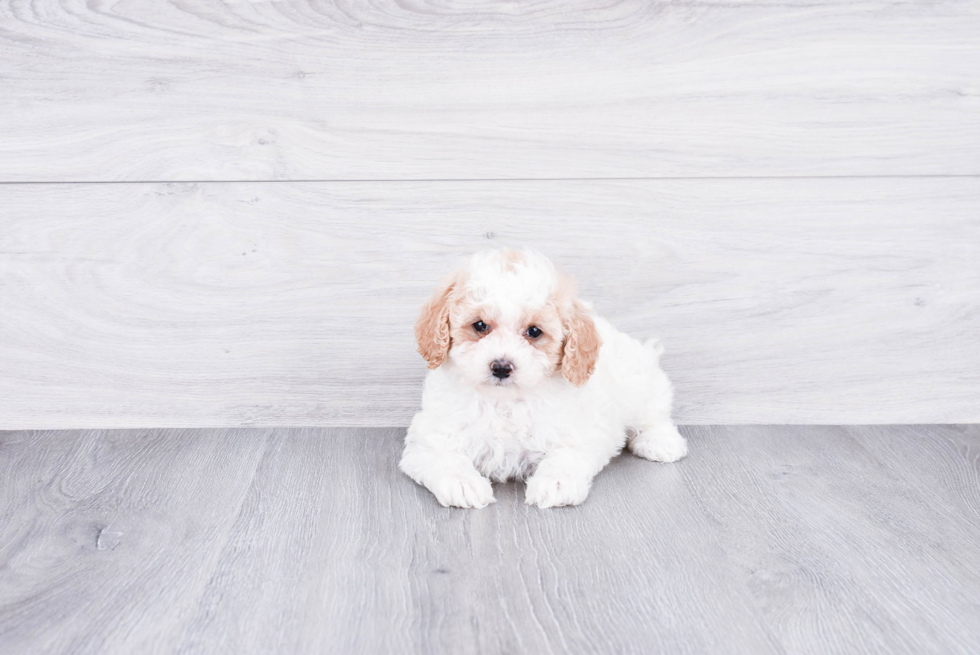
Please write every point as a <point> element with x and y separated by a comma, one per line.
<point>765,539</point>
<point>157,90</point>
<point>779,301</point>
<point>843,555</point>
<point>107,539</point>
<point>380,567</point>
<point>952,451</point>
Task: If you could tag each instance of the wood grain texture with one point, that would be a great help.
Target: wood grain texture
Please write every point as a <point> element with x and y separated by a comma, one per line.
<point>850,536</point>
<point>107,539</point>
<point>156,90</point>
<point>779,301</point>
<point>765,540</point>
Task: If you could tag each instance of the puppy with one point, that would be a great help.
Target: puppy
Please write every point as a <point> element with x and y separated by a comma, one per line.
<point>527,383</point>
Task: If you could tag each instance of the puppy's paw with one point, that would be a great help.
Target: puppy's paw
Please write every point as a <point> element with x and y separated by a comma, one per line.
<point>662,443</point>
<point>549,490</point>
<point>463,490</point>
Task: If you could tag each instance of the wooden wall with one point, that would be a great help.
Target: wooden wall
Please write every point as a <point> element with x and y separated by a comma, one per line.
<point>227,213</point>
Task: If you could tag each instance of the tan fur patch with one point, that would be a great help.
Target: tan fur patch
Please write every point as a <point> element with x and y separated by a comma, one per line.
<point>512,258</point>
<point>462,320</point>
<point>580,350</point>
<point>550,342</point>
<point>582,345</point>
<point>564,292</point>
<point>432,329</point>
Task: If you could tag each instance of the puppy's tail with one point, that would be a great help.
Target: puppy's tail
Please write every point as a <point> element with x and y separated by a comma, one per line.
<point>655,345</point>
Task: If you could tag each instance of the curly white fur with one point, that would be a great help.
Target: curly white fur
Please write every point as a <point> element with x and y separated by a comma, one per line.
<point>575,396</point>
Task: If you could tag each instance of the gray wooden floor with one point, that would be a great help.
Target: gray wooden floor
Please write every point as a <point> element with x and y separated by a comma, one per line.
<point>766,539</point>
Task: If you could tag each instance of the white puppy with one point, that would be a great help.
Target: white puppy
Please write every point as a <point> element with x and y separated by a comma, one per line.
<point>527,383</point>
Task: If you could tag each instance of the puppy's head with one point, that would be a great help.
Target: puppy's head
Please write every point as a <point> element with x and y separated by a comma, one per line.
<point>508,319</point>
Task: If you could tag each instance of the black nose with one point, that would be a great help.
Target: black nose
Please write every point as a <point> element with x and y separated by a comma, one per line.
<point>501,368</point>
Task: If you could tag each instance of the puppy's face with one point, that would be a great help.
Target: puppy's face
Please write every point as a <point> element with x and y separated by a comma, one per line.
<point>507,320</point>
<point>505,345</point>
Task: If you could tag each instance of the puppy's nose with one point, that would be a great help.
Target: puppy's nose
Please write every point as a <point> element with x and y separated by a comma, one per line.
<point>501,368</point>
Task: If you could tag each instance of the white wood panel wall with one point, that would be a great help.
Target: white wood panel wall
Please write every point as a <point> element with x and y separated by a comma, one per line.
<point>788,194</point>
<point>783,301</point>
<point>305,89</point>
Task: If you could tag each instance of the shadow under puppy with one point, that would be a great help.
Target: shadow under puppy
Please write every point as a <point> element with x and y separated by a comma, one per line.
<point>526,382</point>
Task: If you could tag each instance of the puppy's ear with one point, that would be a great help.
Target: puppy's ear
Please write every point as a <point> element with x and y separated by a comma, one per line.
<point>582,342</point>
<point>432,328</point>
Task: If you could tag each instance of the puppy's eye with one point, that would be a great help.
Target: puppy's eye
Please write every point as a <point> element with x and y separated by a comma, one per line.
<point>533,332</point>
<point>480,326</point>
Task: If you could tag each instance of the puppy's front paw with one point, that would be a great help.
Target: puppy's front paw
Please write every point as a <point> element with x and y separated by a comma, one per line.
<point>463,490</point>
<point>548,490</point>
<point>660,444</point>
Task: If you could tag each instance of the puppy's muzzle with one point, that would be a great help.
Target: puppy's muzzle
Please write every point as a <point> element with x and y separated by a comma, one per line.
<point>501,368</point>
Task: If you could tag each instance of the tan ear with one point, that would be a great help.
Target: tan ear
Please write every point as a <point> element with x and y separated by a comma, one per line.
<point>432,328</point>
<point>582,343</point>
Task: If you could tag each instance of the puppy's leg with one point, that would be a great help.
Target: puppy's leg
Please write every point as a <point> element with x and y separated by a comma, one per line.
<point>564,476</point>
<point>655,437</point>
<point>449,475</point>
